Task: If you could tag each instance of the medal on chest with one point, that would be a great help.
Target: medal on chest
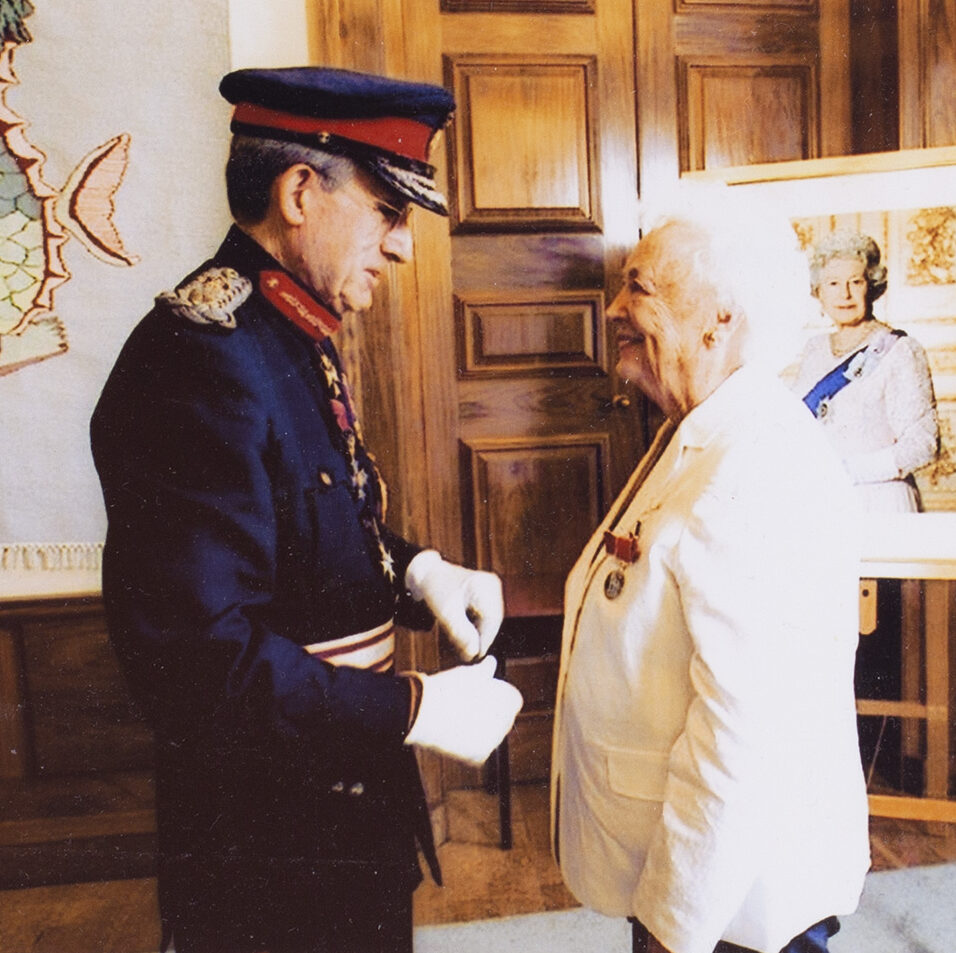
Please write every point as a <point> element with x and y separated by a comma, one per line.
<point>368,487</point>
<point>626,550</point>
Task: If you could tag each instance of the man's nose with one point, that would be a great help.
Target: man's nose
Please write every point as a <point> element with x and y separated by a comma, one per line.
<point>398,244</point>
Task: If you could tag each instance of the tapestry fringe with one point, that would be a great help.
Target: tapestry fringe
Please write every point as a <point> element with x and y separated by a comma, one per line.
<point>52,557</point>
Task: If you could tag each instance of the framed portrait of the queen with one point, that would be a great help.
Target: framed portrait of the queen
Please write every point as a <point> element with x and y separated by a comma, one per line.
<point>906,202</point>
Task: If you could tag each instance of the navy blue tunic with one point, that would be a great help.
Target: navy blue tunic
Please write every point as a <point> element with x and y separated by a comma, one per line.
<point>235,537</point>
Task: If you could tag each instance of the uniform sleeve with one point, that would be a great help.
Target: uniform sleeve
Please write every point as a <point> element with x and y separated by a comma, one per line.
<point>408,612</point>
<point>911,411</point>
<point>181,439</point>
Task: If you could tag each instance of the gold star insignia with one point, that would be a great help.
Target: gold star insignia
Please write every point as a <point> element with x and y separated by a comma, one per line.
<point>388,563</point>
<point>331,375</point>
<point>359,479</point>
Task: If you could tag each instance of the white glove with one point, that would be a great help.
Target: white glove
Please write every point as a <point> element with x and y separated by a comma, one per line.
<point>465,712</point>
<point>466,602</point>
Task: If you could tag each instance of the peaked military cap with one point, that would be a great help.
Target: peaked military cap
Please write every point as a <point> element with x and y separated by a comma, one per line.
<point>386,125</point>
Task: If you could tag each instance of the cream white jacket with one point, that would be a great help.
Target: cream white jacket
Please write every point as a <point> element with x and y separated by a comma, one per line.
<point>706,776</point>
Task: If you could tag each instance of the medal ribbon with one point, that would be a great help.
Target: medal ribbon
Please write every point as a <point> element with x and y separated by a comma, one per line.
<point>368,487</point>
<point>312,317</point>
<point>625,548</point>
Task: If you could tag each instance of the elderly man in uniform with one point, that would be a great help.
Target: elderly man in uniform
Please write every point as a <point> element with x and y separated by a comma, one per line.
<point>250,581</point>
<point>706,777</point>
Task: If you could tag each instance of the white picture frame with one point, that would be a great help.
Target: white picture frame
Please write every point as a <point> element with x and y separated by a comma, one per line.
<point>907,201</point>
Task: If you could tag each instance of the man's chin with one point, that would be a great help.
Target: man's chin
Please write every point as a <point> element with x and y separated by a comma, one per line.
<point>355,304</point>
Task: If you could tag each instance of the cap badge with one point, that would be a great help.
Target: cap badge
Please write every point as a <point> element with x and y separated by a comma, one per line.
<point>210,298</point>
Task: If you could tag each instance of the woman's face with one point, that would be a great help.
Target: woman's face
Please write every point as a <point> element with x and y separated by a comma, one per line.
<point>659,317</point>
<point>842,291</point>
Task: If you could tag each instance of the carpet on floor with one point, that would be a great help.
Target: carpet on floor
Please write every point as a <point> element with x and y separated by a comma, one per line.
<point>902,911</point>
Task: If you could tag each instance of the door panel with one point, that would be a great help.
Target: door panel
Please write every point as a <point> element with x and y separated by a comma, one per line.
<point>740,82</point>
<point>523,147</point>
<point>538,437</point>
<point>739,114</point>
<point>533,503</point>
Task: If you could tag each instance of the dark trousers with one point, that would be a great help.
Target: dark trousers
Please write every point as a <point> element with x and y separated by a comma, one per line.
<point>813,940</point>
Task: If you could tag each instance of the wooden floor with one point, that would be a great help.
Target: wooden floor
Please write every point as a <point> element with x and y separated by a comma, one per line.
<point>481,881</point>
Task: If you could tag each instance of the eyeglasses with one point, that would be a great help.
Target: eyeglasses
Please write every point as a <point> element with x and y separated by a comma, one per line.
<point>392,216</point>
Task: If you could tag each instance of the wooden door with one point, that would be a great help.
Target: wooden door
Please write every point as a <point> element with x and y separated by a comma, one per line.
<point>500,421</point>
<point>545,434</point>
<point>543,180</point>
<point>485,376</point>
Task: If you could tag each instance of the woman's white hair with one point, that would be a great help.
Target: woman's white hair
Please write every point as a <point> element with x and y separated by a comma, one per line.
<point>750,256</point>
<point>848,243</point>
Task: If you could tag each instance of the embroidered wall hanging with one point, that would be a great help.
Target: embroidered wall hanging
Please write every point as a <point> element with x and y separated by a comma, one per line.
<point>36,220</point>
<point>113,140</point>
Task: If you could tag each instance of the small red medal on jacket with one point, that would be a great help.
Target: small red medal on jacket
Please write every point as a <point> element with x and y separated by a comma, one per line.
<point>624,548</point>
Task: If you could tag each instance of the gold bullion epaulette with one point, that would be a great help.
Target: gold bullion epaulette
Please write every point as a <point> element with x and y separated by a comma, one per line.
<point>210,298</point>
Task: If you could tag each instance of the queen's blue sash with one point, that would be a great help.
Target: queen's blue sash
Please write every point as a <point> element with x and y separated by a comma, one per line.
<point>852,368</point>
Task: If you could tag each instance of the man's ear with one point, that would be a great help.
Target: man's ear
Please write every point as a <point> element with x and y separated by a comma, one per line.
<point>289,192</point>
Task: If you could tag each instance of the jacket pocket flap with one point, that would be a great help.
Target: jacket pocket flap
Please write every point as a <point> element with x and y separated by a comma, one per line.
<point>638,774</point>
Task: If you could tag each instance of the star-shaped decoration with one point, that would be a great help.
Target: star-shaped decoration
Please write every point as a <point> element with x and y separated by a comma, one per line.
<point>331,375</point>
<point>359,479</point>
<point>388,563</point>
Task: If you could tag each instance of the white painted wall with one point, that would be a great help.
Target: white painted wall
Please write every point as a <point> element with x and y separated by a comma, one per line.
<point>268,34</point>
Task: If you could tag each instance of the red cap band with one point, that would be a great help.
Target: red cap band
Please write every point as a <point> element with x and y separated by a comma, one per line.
<point>406,137</point>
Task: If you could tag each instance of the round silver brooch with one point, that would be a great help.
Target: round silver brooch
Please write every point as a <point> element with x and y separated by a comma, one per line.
<point>613,584</point>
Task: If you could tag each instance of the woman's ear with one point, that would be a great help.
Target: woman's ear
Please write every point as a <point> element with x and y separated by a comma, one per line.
<point>726,324</point>
<point>290,189</point>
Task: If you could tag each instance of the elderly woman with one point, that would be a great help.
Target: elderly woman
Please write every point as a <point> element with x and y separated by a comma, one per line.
<point>706,781</point>
<point>868,384</point>
<point>870,387</point>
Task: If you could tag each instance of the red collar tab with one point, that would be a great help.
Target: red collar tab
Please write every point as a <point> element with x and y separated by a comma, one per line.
<point>625,548</point>
<point>405,137</point>
<point>298,305</point>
